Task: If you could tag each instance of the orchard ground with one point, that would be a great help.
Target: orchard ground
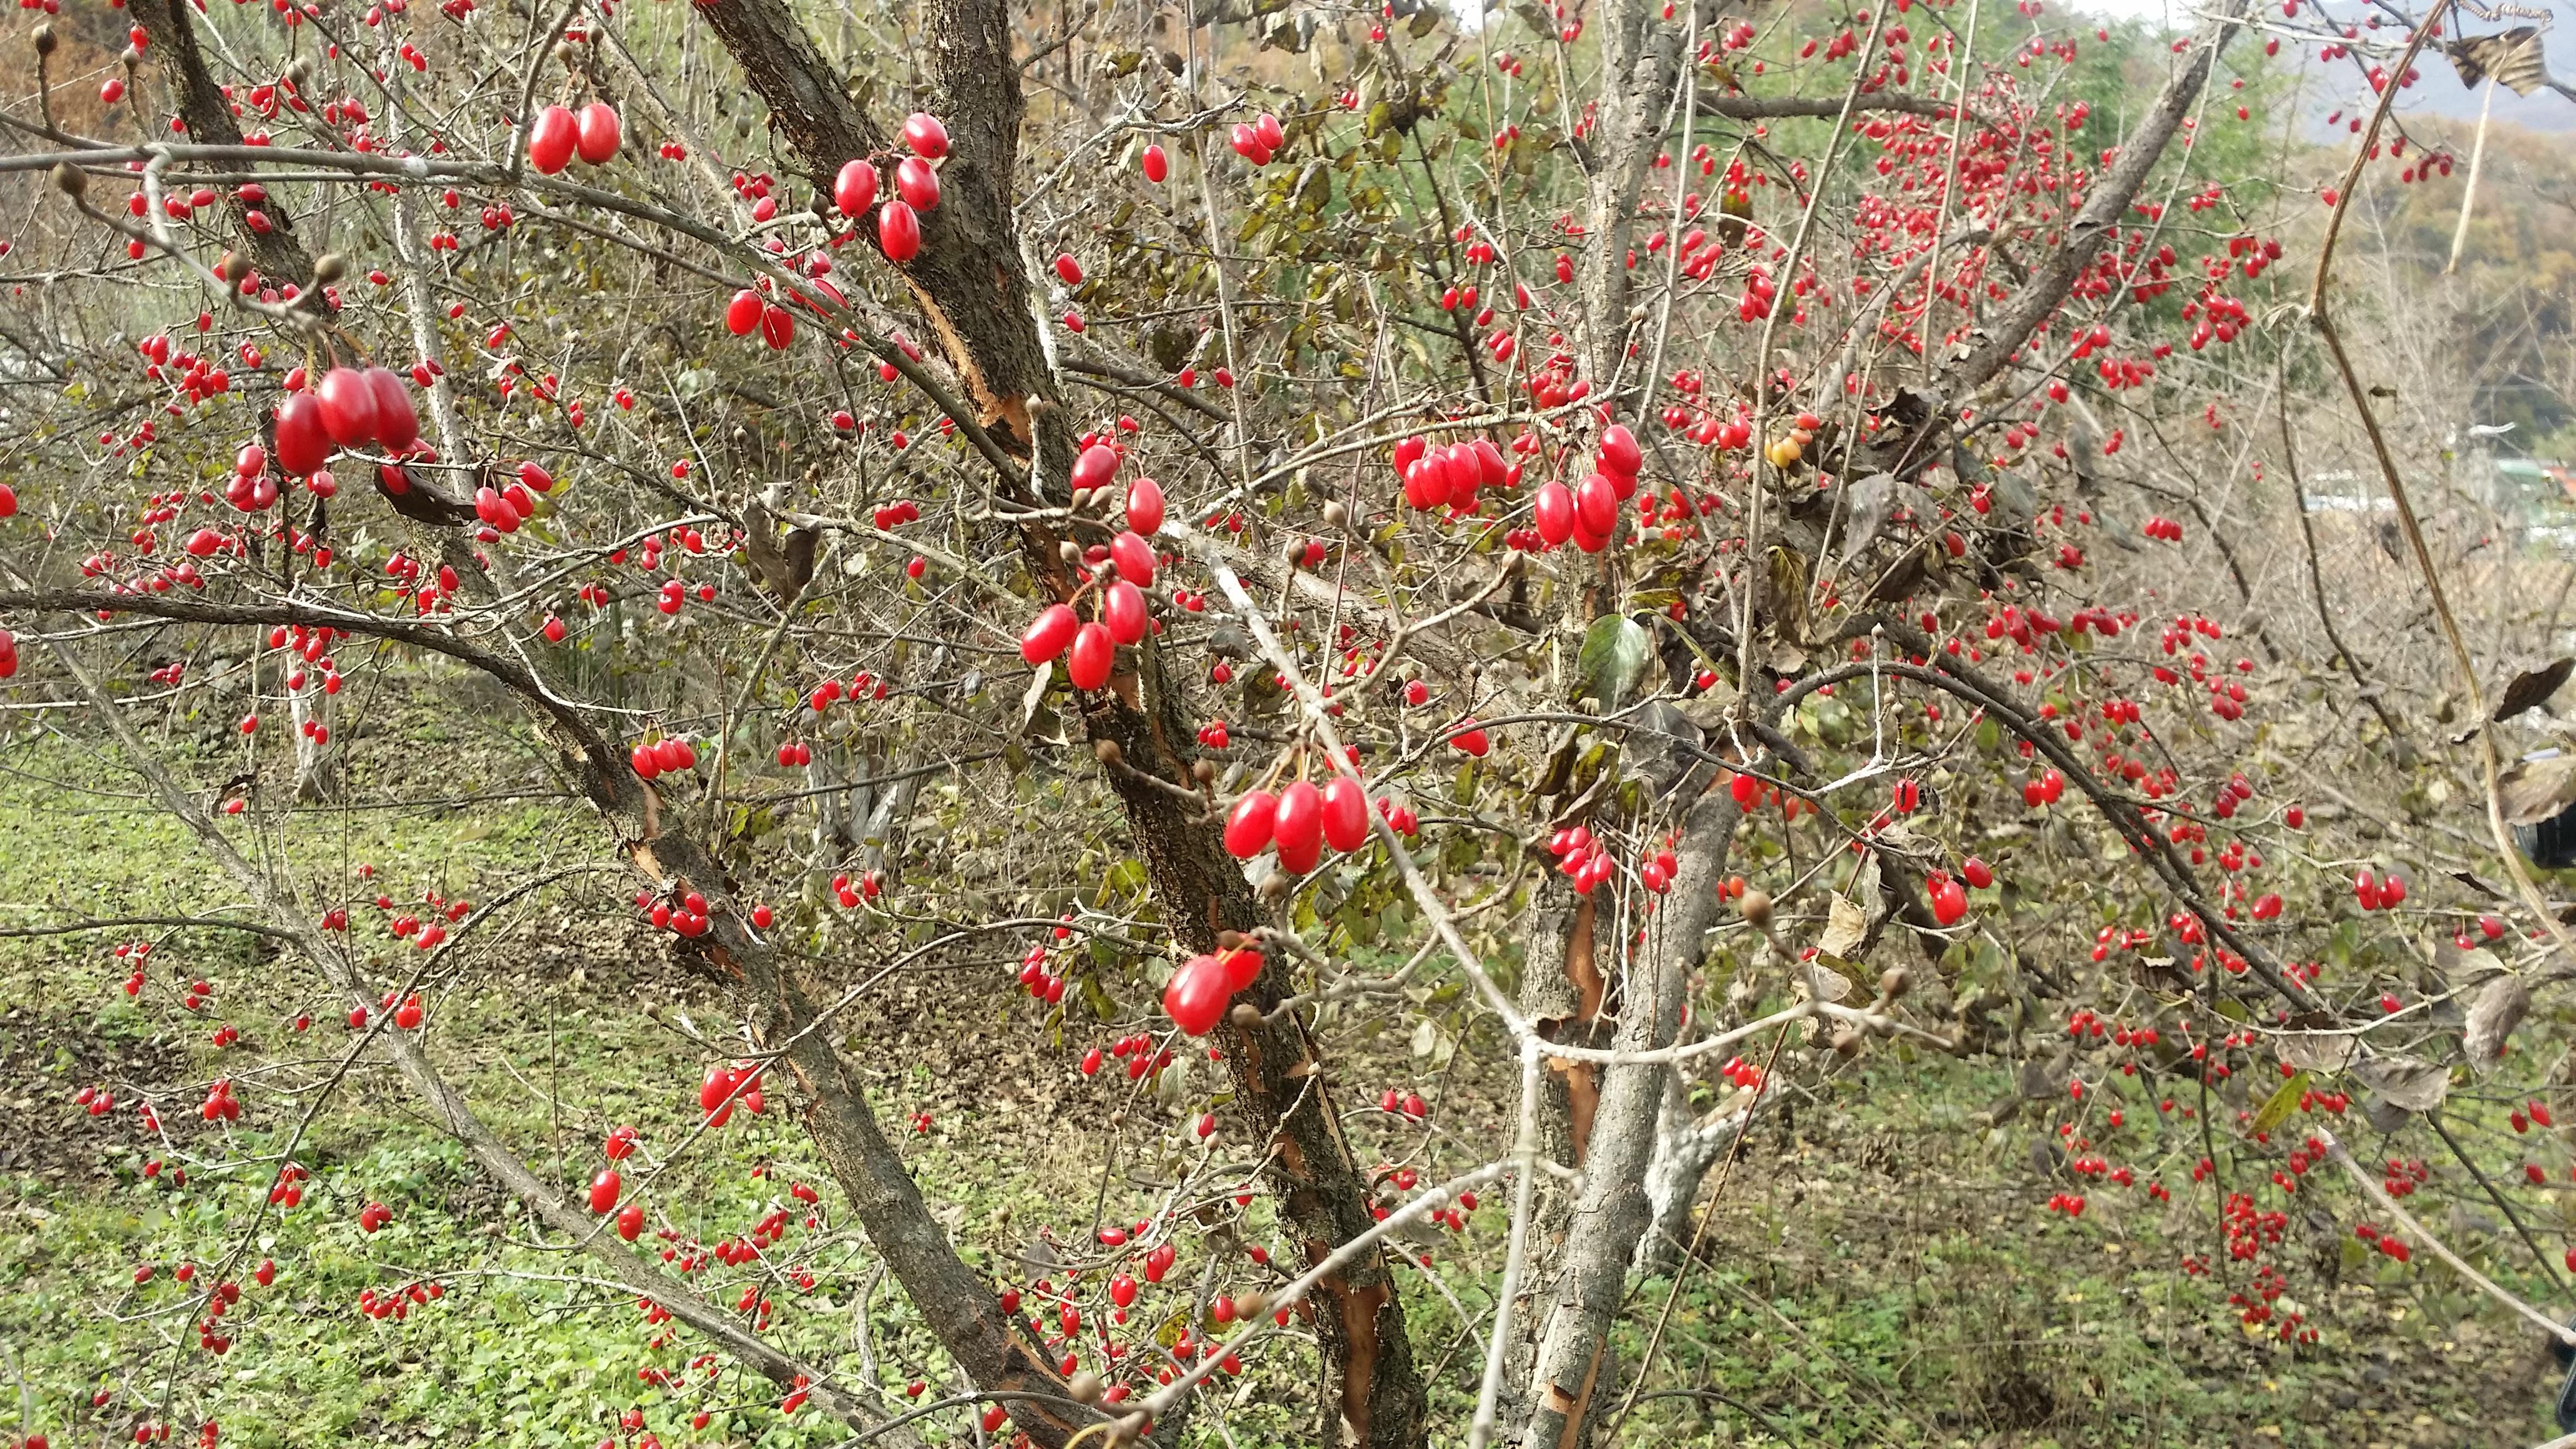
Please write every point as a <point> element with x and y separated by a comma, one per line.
<point>1881,1268</point>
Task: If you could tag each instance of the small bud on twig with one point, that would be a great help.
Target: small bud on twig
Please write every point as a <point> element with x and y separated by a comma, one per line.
<point>1085,1388</point>
<point>1894,982</point>
<point>1756,907</point>
<point>328,268</point>
<point>69,180</point>
<point>45,41</point>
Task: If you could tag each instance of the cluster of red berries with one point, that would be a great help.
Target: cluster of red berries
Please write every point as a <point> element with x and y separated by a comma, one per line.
<point>1123,616</point>
<point>686,917</point>
<point>1257,141</point>
<point>1299,822</point>
<point>558,135</point>
<point>1137,1051</point>
<point>726,1087</point>
<point>1584,860</point>
<point>220,1104</point>
<point>2043,789</point>
<point>1037,980</point>
<point>288,1190</point>
<point>2385,893</point>
<point>504,509</point>
<point>397,1305</point>
<point>666,756</point>
<point>1588,513</point>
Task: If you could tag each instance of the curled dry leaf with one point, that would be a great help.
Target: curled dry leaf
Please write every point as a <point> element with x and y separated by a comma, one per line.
<point>2534,790</point>
<point>1827,983</point>
<point>2384,1115</point>
<point>1847,928</point>
<point>2407,1083</point>
<point>1866,505</point>
<point>2492,1018</point>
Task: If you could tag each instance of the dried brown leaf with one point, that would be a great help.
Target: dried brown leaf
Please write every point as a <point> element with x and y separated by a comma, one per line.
<point>2492,1018</point>
<point>2532,688</point>
<point>2407,1083</point>
<point>2465,966</point>
<point>2534,790</point>
<point>2316,1051</point>
<point>1848,927</point>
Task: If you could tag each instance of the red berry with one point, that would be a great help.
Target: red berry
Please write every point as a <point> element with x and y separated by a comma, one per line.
<point>855,189</point>
<point>552,139</point>
<point>1196,995</point>
<point>599,133</point>
<point>923,133</point>
<point>1048,634</point>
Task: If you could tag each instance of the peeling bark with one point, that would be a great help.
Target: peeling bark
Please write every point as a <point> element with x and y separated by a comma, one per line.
<point>1611,1211</point>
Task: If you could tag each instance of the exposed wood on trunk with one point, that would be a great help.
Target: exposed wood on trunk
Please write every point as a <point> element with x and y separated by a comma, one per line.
<point>1582,1080</point>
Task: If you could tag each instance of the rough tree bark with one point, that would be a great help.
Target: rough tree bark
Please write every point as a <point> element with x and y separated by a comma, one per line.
<point>278,253</point>
<point>970,283</point>
<point>1640,64</point>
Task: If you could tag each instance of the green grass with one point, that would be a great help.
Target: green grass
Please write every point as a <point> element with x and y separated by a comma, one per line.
<point>1880,1273</point>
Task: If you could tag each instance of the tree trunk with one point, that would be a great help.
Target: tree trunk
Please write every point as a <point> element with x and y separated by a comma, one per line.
<point>318,772</point>
<point>971,284</point>
<point>1686,1147</point>
<point>1573,1373</point>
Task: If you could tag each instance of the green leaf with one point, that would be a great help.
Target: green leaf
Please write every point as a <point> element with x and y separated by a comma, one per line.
<point>1126,878</point>
<point>1612,661</point>
<point>2281,1103</point>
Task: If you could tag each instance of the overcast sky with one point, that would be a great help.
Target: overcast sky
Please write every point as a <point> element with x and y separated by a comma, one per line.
<point>2439,90</point>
